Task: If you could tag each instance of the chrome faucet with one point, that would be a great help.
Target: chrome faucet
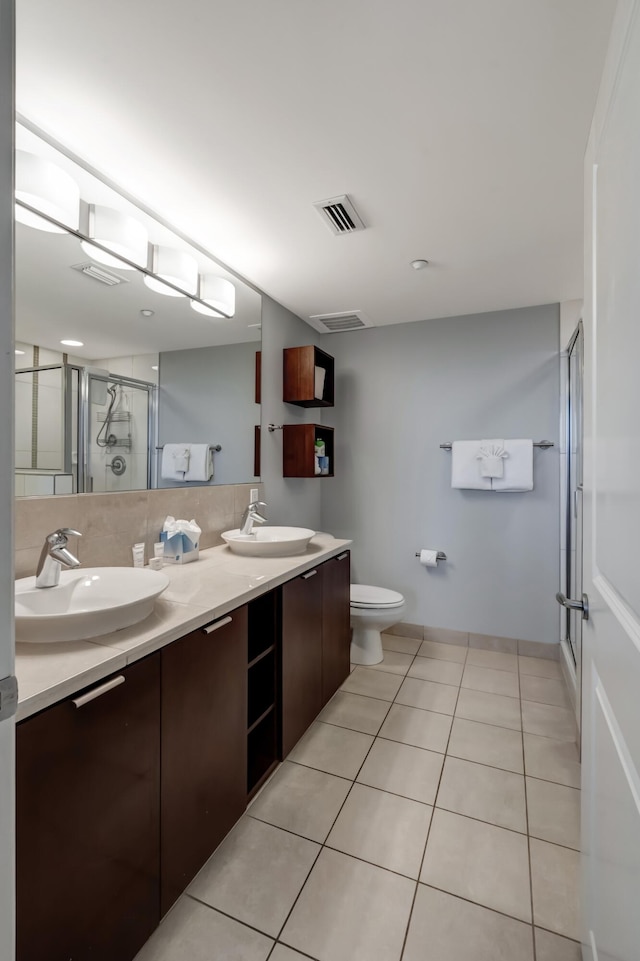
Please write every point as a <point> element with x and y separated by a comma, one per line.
<point>253,515</point>
<point>54,554</point>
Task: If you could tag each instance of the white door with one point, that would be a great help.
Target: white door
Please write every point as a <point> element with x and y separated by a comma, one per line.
<point>611,636</point>
<point>6,484</point>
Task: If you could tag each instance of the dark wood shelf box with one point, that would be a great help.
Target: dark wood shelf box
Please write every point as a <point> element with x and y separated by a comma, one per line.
<point>262,687</point>
<point>262,624</point>
<point>299,376</point>
<point>261,753</point>
<point>298,449</point>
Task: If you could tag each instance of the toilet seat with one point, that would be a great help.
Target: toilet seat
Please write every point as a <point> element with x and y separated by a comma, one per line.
<point>379,598</point>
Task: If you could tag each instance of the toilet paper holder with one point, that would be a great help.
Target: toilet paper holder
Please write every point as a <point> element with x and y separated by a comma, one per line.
<point>440,556</point>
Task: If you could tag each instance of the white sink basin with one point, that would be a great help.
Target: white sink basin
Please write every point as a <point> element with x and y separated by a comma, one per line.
<point>269,541</point>
<point>86,603</point>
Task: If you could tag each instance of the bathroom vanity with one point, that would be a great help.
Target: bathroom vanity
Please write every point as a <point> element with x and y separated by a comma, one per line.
<point>131,772</point>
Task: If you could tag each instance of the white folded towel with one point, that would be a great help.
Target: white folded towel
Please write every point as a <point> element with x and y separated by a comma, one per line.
<point>465,470</point>
<point>200,463</point>
<point>175,461</point>
<point>518,467</point>
<point>491,456</point>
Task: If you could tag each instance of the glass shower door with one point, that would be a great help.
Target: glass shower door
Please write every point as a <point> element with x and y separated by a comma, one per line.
<point>118,432</point>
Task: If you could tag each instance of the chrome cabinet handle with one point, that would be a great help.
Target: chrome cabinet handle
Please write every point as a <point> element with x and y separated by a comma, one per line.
<point>305,577</point>
<point>210,628</point>
<point>99,691</point>
<point>341,557</point>
<point>575,605</point>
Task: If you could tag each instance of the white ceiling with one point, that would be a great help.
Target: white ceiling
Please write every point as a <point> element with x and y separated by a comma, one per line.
<point>457,127</point>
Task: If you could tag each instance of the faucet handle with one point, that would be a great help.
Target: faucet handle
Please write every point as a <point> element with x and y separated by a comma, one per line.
<point>61,535</point>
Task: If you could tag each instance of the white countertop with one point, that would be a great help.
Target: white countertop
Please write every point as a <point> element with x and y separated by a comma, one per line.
<point>198,593</point>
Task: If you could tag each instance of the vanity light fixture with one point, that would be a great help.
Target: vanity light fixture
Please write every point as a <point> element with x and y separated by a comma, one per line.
<point>49,189</point>
<point>72,343</point>
<point>122,234</point>
<point>20,353</point>
<point>154,367</point>
<point>175,266</point>
<point>219,296</point>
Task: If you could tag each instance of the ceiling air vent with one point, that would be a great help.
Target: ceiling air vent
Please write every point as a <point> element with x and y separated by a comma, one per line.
<point>339,215</point>
<point>339,323</point>
<point>100,273</point>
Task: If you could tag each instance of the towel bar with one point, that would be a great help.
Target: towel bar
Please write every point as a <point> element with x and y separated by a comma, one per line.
<point>216,448</point>
<point>544,444</point>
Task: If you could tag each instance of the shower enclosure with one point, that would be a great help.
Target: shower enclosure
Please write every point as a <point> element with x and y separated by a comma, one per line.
<point>81,429</point>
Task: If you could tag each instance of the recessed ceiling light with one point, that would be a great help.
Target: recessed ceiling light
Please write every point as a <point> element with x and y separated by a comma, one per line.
<point>146,312</point>
<point>20,352</point>
<point>419,264</point>
<point>72,343</point>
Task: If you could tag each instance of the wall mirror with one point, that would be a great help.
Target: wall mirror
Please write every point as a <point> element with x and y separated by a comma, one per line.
<point>141,369</point>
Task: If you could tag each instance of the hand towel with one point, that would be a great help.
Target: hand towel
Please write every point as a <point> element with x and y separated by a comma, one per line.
<point>518,467</point>
<point>172,455</point>
<point>200,463</point>
<point>181,459</point>
<point>465,470</point>
<point>491,455</point>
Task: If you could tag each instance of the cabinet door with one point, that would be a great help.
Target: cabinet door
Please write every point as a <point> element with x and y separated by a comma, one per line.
<point>336,630</point>
<point>88,822</point>
<point>204,746</point>
<point>301,655</point>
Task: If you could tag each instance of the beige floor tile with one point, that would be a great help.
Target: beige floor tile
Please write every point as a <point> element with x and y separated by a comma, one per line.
<point>490,681</point>
<point>256,874</point>
<point>486,744</point>
<point>445,928</point>
<point>393,662</point>
<point>189,930</point>
<point>335,750</point>
<point>480,862</point>
<point>484,793</point>
<point>354,711</point>
<point>350,911</point>
<point>489,708</point>
<point>402,769</point>
<point>447,652</point>
<point>435,669</point>
<point>302,800</point>
<point>539,666</point>
<point>428,695</point>
<point>489,642</point>
<point>550,652</point>
<point>547,720</point>
<point>493,659</point>
<point>378,684</point>
<point>282,953</point>
<point>552,760</point>
<point>554,812</point>
<point>420,728</point>
<point>546,690</point>
<point>555,878</point>
<point>551,947</point>
<point>405,645</point>
<point>387,830</point>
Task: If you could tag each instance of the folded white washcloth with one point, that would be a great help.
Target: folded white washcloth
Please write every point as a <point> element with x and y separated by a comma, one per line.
<point>464,466</point>
<point>491,456</point>
<point>200,463</point>
<point>518,468</point>
<point>181,459</point>
<point>171,457</point>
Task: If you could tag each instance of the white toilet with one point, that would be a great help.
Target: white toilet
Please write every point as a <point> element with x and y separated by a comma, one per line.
<point>373,610</point>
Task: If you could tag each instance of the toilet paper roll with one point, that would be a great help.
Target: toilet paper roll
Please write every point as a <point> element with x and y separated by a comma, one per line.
<point>429,558</point>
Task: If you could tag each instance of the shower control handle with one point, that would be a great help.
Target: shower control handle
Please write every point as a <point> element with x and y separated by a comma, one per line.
<point>575,605</point>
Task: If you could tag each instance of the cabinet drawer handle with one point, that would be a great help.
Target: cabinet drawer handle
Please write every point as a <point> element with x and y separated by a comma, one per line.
<point>210,628</point>
<point>342,556</point>
<point>99,691</point>
<point>305,577</point>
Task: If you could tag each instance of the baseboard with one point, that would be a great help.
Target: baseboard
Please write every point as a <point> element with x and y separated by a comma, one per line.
<point>486,642</point>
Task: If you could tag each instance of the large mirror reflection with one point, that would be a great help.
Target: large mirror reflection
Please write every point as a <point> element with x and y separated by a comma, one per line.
<point>116,381</point>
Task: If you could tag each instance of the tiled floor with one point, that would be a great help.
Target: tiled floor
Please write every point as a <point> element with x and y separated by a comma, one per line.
<point>431,813</point>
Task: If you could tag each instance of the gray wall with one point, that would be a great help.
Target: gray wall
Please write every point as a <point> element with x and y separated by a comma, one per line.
<point>400,392</point>
<point>207,396</point>
<point>292,501</point>
<point>7,853</point>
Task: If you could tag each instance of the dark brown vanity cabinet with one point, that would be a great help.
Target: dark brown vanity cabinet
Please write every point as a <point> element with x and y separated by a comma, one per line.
<point>204,746</point>
<point>336,629</point>
<point>88,821</point>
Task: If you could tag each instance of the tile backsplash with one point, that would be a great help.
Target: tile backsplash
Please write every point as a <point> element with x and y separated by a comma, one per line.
<point>111,524</point>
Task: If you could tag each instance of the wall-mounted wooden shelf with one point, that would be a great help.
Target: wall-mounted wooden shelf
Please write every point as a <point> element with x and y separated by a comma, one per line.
<point>298,449</point>
<point>299,376</point>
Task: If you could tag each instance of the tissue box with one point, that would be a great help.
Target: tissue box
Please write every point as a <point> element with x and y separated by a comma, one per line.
<point>179,548</point>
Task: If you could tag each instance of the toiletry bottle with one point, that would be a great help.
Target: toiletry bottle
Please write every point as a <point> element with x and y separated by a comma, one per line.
<point>138,555</point>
